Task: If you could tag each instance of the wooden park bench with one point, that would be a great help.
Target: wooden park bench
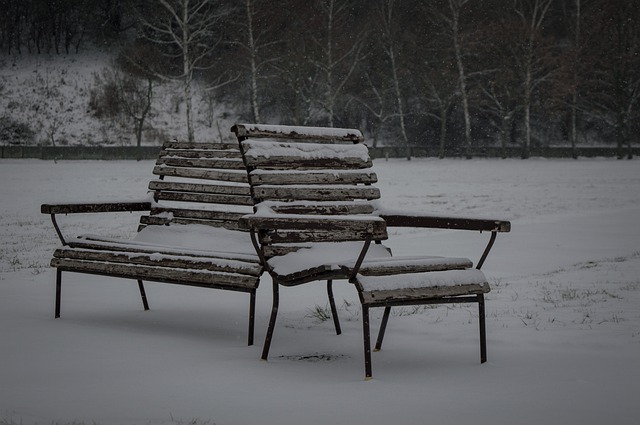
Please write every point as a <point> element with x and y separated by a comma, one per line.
<point>316,219</point>
<point>189,234</point>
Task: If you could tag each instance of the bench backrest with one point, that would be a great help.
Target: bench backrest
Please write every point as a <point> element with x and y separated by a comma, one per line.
<point>307,172</point>
<point>199,183</point>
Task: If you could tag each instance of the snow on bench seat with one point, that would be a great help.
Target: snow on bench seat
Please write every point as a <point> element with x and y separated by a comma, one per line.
<point>420,286</point>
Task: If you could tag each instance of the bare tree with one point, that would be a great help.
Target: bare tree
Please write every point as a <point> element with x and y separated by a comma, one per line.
<point>449,17</point>
<point>188,28</point>
<point>533,63</point>
<point>375,99</point>
<point>390,49</point>
<point>137,97</point>
<point>254,44</point>
<point>336,65</point>
<point>577,44</point>
<point>614,68</point>
<point>441,95</point>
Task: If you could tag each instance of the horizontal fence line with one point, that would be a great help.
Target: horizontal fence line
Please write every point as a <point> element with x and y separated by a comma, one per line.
<point>509,152</point>
<point>80,152</point>
<point>151,152</point>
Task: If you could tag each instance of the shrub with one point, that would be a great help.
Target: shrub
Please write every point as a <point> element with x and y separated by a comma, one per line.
<point>13,132</point>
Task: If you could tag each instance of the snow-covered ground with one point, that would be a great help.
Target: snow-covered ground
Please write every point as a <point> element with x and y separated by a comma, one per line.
<point>563,316</point>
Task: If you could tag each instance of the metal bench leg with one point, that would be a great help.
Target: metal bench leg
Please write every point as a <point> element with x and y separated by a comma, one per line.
<point>252,316</point>
<point>367,343</point>
<point>483,329</point>
<point>334,310</point>
<point>58,292</point>
<point>272,321</point>
<point>383,327</point>
<point>143,294</point>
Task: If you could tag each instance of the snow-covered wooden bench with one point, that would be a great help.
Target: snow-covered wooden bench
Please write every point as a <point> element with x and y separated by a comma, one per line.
<point>317,219</point>
<point>189,235</point>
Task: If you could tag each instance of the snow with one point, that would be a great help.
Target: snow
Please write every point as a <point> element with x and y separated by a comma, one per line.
<point>333,254</point>
<point>268,149</point>
<point>563,316</point>
<point>423,280</point>
<point>322,132</point>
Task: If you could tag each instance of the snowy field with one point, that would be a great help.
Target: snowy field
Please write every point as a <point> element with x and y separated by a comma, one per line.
<point>563,317</point>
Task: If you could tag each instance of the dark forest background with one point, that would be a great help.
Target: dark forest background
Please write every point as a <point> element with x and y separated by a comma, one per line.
<point>456,75</point>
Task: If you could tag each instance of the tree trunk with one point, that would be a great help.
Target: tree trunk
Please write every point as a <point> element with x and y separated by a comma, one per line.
<point>443,132</point>
<point>252,59</point>
<point>574,95</point>
<point>462,78</point>
<point>188,73</point>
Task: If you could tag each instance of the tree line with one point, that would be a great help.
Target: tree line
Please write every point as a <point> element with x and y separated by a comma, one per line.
<point>458,75</point>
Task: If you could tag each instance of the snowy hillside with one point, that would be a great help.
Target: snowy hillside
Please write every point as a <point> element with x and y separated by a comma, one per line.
<point>48,96</point>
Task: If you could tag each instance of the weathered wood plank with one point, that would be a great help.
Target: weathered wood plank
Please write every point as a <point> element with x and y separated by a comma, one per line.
<point>95,207</point>
<point>194,153</point>
<point>326,223</point>
<point>328,235</point>
<point>155,259</point>
<point>324,209</point>
<point>164,221</point>
<point>315,193</point>
<point>204,198</point>
<point>298,163</point>
<point>288,177</point>
<point>435,222</point>
<point>197,214</point>
<point>96,243</point>
<point>194,173</point>
<point>419,295</point>
<point>221,164</point>
<point>162,274</point>
<point>401,265</point>
<point>163,185</point>
<point>172,144</point>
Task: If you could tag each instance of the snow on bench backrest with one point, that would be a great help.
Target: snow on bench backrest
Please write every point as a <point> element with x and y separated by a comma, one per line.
<point>295,176</point>
<point>333,135</point>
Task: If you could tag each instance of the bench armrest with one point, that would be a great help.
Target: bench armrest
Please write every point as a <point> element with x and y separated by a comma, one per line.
<point>439,222</point>
<point>98,207</point>
<point>95,207</point>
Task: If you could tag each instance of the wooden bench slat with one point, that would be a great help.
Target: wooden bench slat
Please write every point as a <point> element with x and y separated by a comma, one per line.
<point>96,243</point>
<point>195,153</point>
<point>204,198</point>
<point>163,185</point>
<point>222,164</point>
<point>162,274</point>
<point>314,177</point>
<point>324,209</point>
<point>172,144</point>
<point>405,265</point>
<point>419,295</point>
<point>194,173</point>
<point>304,156</point>
<point>314,193</point>
<point>212,215</point>
<point>163,221</point>
<point>293,132</point>
<point>155,259</point>
<point>95,207</point>
<point>285,163</point>
<point>335,235</point>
